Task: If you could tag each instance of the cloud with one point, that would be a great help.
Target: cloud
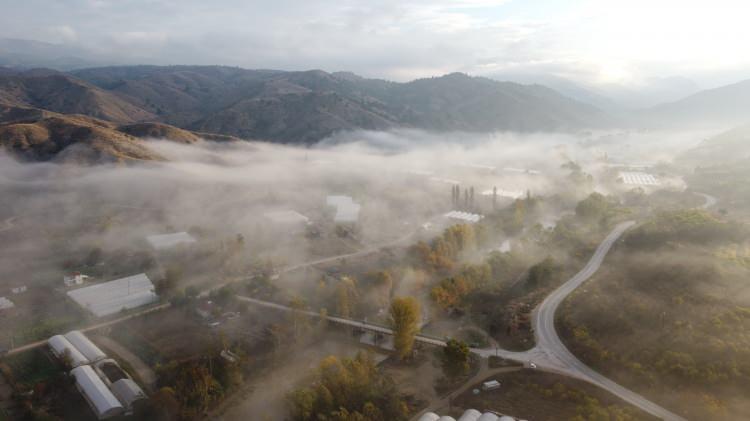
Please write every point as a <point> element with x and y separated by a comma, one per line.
<point>63,33</point>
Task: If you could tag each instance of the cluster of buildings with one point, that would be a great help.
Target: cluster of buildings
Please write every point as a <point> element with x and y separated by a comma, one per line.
<point>106,387</point>
<point>468,415</point>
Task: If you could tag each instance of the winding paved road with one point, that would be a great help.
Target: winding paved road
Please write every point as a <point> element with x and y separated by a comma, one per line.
<point>549,354</point>
<point>710,200</point>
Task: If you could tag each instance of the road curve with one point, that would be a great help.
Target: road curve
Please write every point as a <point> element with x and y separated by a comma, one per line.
<point>549,341</point>
<point>710,200</point>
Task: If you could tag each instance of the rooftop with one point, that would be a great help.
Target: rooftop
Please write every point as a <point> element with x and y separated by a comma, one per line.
<point>165,241</point>
<point>111,297</point>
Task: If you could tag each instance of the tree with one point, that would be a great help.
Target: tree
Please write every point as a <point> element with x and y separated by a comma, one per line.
<point>346,296</point>
<point>404,320</point>
<point>455,359</point>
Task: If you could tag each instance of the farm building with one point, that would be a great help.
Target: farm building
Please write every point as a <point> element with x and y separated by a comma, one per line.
<point>468,415</point>
<point>127,392</point>
<point>6,304</point>
<point>85,346</point>
<point>463,216</point>
<point>287,219</point>
<point>111,297</point>
<point>168,241</point>
<point>74,278</point>
<point>637,179</point>
<point>64,350</point>
<point>99,397</point>
<point>511,194</point>
<point>346,210</point>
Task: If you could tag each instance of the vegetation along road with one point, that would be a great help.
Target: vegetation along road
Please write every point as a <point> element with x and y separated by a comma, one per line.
<point>549,354</point>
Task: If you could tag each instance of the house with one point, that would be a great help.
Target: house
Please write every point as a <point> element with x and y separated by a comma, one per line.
<point>74,278</point>
<point>6,304</point>
<point>19,290</point>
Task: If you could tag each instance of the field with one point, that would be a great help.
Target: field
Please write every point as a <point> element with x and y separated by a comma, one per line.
<point>539,396</point>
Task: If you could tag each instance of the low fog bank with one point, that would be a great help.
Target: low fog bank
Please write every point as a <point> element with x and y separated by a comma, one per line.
<point>401,179</point>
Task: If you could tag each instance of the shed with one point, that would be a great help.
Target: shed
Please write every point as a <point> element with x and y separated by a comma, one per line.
<point>85,346</point>
<point>100,399</point>
<point>6,304</point>
<point>63,349</point>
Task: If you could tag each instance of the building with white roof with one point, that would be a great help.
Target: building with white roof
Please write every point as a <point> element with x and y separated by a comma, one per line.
<point>468,415</point>
<point>111,297</point>
<point>127,392</point>
<point>6,304</point>
<point>168,241</point>
<point>85,346</point>
<point>74,278</point>
<point>99,397</point>
<point>347,212</point>
<point>464,216</point>
<point>512,194</point>
<point>64,350</point>
<point>637,179</point>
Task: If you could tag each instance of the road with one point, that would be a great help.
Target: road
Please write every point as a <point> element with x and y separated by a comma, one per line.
<point>8,224</point>
<point>37,344</point>
<point>549,354</point>
<point>710,200</point>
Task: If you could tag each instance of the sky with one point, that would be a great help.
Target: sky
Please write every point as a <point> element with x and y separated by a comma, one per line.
<point>598,42</point>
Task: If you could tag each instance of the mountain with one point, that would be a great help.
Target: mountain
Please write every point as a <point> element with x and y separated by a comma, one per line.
<point>570,89</point>
<point>293,107</point>
<point>723,149</point>
<point>53,91</point>
<point>38,135</point>
<point>726,106</point>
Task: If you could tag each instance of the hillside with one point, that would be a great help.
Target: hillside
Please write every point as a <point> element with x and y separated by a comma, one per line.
<point>36,135</point>
<point>725,148</point>
<point>61,93</point>
<point>726,105</point>
<point>304,107</point>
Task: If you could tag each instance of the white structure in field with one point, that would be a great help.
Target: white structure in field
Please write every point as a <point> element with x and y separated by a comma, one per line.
<point>111,297</point>
<point>464,216</point>
<point>64,350</point>
<point>167,241</point>
<point>346,210</point>
<point>468,415</point>
<point>74,278</point>
<point>6,304</point>
<point>637,179</point>
<point>19,290</point>
<point>521,171</point>
<point>287,219</point>
<point>85,346</point>
<point>513,194</point>
<point>127,392</point>
<point>99,397</point>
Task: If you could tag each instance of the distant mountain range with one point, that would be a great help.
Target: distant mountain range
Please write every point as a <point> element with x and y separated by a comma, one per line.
<point>290,107</point>
<point>305,107</point>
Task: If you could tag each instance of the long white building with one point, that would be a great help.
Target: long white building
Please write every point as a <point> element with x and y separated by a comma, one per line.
<point>100,398</point>
<point>85,346</point>
<point>111,297</point>
<point>64,350</point>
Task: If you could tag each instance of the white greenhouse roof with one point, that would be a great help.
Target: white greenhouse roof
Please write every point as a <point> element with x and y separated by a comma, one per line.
<point>85,346</point>
<point>470,415</point>
<point>638,179</point>
<point>286,217</point>
<point>165,241</point>
<point>347,213</point>
<point>101,400</point>
<point>338,200</point>
<point>6,304</point>
<point>110,297</point>
<point>464,216</point>
<point>430,416</point>
<point>62,348</point>
<point>513,194</point>
<point>127,391</point>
